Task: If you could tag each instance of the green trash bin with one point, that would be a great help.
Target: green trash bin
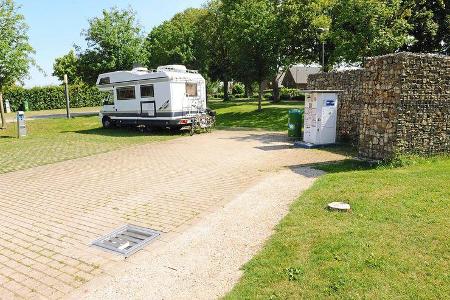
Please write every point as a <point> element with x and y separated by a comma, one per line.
<point>295,123</point>
<point>25,106</point>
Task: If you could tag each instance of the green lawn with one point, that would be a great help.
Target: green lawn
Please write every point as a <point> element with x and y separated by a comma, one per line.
<point>55,140</point>
<point>246,114</point>
<point>394,244</point>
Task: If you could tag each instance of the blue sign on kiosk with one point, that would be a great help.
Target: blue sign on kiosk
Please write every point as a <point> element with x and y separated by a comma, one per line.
<point>330,103</point>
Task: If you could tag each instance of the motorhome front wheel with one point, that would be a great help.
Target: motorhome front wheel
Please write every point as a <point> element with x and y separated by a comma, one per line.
<point>107,122</point>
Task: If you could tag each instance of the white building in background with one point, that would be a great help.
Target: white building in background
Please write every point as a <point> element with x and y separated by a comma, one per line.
<point>297,76</point>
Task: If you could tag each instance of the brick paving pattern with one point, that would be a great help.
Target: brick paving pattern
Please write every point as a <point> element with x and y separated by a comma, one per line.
<point>49,215</point>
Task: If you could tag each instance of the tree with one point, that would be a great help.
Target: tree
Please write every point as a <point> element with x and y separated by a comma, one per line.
<point>362,28</point>
<point>254,41</point>
<point>215,46</point>
<point>15,49</point>
<point>355,29</point>
<point>300,20</point>
<point>175,41</point>
<point>114,42</point>
<point>67,64</point>
<point>430,25</point>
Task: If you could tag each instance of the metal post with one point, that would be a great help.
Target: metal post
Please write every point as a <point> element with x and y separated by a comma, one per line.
<point>2,112</point>
<point>323,56</point>
<point>323,31</point>
<point>66,89</point>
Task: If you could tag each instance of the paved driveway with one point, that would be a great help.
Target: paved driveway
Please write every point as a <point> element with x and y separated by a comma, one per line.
<point>49,215</point>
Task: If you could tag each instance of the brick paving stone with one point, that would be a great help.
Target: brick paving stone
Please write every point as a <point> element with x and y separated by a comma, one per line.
<point>24,292</point>
<point>6,294</point>
<point>3,279</point>
<point>6,271</point>
<point>32,284</point>
<point>12,286</point>
<point>49,215</point>
<point>48,292</point>
<point>18,277</point>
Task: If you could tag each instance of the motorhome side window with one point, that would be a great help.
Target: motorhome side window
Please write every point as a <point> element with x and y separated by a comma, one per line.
<point>126,93</point>
<point>147,91</point>
<point>191,89</point>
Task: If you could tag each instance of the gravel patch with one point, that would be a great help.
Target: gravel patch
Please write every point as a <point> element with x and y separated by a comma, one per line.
<point>204,261</point>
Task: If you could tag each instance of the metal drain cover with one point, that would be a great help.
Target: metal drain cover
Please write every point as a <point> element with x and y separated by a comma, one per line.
<point>126,240</point>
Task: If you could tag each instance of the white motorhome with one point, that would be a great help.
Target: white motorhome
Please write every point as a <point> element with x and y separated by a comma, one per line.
<point>167,97</point>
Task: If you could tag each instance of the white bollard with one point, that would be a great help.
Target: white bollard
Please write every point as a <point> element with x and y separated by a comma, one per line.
<point>21,125</point>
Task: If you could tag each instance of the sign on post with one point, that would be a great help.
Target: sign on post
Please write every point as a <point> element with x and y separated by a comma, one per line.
<point>21,125</point>
<point>7,106</point>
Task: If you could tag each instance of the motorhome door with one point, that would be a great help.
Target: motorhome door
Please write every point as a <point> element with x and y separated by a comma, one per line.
<point>148,104</point>
<point>127,103</point>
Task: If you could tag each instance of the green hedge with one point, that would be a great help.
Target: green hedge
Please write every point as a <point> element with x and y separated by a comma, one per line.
<point>286,94</point>
<point>53,97</point>
<point>291,94</point>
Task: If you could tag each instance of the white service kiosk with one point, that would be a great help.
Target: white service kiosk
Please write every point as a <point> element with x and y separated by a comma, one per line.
<point>320,117</point>
<point>21,125</point>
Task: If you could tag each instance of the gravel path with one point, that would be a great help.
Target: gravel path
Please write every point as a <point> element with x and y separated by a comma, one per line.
<point>204,261</point>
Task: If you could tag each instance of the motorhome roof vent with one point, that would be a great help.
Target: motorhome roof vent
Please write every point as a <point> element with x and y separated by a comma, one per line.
<point>179,68</point>
<point>140,69</point>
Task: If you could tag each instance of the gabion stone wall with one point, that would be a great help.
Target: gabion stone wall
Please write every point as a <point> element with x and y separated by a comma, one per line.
<point>349,105</point>
<point>399,103</point>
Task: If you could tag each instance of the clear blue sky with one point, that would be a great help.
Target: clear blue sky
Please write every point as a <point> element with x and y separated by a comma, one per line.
<point>56,25</point>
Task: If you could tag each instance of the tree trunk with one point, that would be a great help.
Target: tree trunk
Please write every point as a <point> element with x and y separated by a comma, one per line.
<point>247,90</point>
<point>2,112</point>
<point>226,96</point>
<point>260,95</point>
<point>276,90</point>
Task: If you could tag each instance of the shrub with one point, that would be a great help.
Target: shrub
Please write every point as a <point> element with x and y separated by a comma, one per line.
<point>300,97</point>
<point>291,94</point>
<point>285,97</point>
<point>53,97</point>
<point>238,89</point>
<point>217,96</point>
<point>213,87</point>
<point>268,95</point>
